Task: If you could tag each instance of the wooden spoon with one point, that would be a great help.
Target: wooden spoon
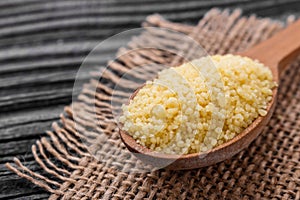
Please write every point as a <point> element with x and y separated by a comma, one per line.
<point>275,53</point>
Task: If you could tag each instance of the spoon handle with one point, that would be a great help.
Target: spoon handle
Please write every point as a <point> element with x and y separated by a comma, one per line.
<point>280,49</point>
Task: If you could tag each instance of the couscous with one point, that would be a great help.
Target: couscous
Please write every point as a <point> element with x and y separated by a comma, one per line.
<point>198,105</point>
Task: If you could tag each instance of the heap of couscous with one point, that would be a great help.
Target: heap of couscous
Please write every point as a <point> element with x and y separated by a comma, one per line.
<point>198,105</point>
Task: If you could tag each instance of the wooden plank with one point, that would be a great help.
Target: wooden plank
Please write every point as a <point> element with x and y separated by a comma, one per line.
<point>57,49</point>
<point>16,147</point>
<point>37,99</point>
<point>129,7</point>
<point>38,77</point>
<point>10,3</point>
<point>34,115</point>
<point>60,36</point>
<point>36,195</point>
<point>67,62</point>
<point>31,130</point>
<point>25,189</point>
<point>71,23</point>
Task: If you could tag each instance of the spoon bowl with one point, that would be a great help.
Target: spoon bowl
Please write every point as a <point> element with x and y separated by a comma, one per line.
<point>274,53</point>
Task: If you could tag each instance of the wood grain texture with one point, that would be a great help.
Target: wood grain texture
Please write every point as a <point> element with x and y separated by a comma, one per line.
<point>42,44</point>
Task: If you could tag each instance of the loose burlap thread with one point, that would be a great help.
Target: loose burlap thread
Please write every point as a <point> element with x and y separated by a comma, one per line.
<point>268,169</point>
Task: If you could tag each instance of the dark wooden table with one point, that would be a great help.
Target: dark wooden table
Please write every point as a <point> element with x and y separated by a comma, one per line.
<point>42,44</point>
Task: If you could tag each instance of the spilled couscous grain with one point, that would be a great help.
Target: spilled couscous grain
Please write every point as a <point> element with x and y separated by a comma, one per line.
<point>198,105</point>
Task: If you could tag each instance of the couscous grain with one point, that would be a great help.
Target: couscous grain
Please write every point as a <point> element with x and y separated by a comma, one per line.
<point>192,108</point>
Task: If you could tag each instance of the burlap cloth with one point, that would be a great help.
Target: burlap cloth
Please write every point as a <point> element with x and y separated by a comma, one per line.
<point>268,169</point>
